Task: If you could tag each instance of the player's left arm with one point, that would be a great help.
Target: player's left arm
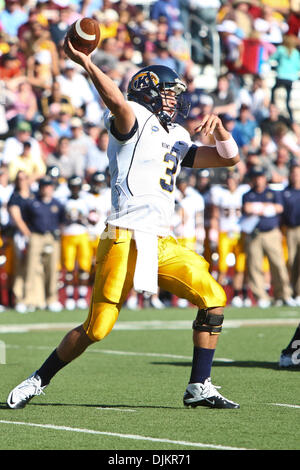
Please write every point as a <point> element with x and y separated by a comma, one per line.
<point>224,154</point>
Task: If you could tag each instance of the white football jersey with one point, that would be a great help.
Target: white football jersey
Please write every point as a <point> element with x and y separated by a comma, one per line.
<point>230,207</point>
<point>192,204</point>
<point>99,206</point>
<point>143,171</point>
<point>76,217</point>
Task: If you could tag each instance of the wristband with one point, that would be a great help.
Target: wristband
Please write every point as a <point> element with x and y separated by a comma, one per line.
<point>227,148</point>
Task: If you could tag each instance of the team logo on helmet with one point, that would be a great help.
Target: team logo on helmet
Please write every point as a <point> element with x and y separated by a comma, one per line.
<point>141,80</point>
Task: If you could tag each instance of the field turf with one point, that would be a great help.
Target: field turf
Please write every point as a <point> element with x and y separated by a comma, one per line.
<point>125,393</point>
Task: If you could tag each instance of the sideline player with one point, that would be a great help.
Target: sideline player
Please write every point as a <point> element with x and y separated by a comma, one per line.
<point>226,214</point>
<point>146,150</point>
<point>75,246</point>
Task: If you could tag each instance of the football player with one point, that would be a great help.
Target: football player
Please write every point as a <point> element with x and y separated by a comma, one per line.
<point>75,246</point>
<point>226,214</point>
<point>189,232</point>
<point>146,151</point>
<point>98,201</point>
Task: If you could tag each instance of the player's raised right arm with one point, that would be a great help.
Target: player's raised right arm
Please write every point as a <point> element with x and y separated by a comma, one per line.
<point>107,89</point>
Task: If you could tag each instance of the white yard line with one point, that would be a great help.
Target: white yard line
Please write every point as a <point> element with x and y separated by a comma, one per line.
<point>123,436</point>
<point>104,408</point>
<point>148,325</point>
<point>117,352</point>
<point>285,405</point>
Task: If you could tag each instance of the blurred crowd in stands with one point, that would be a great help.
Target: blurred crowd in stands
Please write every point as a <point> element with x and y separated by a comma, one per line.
<point>54,178</point>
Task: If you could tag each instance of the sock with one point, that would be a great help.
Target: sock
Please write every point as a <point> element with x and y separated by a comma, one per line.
<point>296,336</point>
<point>201,366</point>
<point>50,367</point>
<point>245,292</point>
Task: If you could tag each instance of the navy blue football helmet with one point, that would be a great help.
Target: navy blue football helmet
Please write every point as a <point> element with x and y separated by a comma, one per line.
<point>149,86</point>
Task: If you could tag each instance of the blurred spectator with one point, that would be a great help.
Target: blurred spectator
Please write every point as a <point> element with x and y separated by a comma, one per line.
<point>284,136</point>
<point>242,17</point>
<point>43,216</point>
<point>41,49</point>
<point>244,129</point>
<point>32,166</point>
<point>109,20</point>
<point>262,208</point>
<point>24,31</point>
<point>168,9</point>
<point>231,38</point>
<point>12,17</point>
<point>270,25</point>
<point>291,220</point>
<point>194,95</point>
<point>125,6</point>
<point>281,167</point>
<point>106,57</point>
<point>294,20</point>
<point>59,119</point>
<point>59,27</point>
<point>96,156</point>
<point>24,106</point>
<point>80,143</point>
<point>54,97</point>
<point>259,99</point>
<point>48,141</point>
<point>287,57</point>
<point>16,203</point>
<point>179,48</point>
<point>62,158</point>
<point>10,67</point>
<point>270,123</point>
<point>13,146</point>
<point>224,102</point>
<point>162,56</point>
<point>74,85</point>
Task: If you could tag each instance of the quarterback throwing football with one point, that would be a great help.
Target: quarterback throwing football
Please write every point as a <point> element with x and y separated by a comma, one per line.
<point>146,151</point>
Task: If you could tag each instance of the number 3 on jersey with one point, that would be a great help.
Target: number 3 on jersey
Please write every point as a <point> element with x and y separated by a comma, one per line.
<point>170,172</point>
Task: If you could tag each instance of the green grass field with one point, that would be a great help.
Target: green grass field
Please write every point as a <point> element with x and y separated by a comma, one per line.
<point>125,393</point>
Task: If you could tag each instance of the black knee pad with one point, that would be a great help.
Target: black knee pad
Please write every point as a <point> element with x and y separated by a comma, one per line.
<point>210,322</point>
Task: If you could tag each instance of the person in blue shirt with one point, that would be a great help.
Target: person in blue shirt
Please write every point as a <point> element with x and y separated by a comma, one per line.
<point>12,17</point>
<point>167,8</point>
<point>263,206</point>
<point>44,216</point>
<point>291,220</point>
<point>244,128</point>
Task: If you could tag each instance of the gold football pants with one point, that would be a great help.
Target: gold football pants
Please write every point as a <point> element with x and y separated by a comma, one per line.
<point>76,249</point>
<point>181,272</point>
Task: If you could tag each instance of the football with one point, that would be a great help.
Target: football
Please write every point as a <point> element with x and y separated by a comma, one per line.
<point>84,35</point>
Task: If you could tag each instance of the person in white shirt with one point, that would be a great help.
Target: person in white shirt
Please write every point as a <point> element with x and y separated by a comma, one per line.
<point>146,151</point>
<point>13,146</point>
